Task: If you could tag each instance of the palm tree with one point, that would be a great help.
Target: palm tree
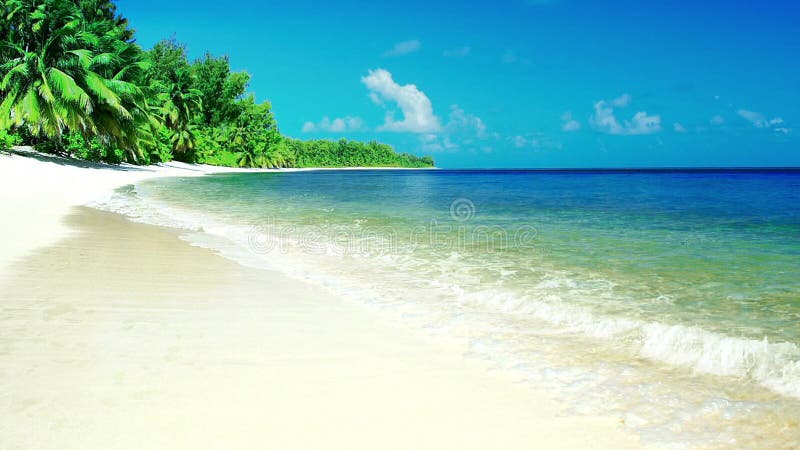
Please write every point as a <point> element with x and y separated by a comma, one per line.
<point>180,103</point>
<point>252,156</point>
<point>41,86</point>
<point>62,73</point>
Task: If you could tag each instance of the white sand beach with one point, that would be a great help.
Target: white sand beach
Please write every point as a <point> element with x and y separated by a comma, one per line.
<point>118,335</point>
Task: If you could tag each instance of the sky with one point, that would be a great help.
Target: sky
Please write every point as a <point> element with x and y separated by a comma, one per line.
<point>515,83</point>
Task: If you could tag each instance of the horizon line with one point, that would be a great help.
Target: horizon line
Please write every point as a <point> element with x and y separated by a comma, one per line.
<point>634,169</point>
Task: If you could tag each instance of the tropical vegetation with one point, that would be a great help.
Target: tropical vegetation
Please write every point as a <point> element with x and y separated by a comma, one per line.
<point>74,82</point>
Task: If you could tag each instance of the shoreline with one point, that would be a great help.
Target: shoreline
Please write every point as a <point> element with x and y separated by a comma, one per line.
<point>206,169</point>
<point>118,335</point>
<point>81,182</point>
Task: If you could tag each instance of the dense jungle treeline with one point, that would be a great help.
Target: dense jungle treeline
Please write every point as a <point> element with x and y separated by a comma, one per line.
<point>74,82</point>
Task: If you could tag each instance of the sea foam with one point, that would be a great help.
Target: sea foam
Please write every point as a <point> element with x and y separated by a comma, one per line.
<point>773,365</point>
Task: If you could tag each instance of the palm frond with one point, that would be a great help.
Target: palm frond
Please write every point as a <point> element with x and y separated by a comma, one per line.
<point>68,89</point>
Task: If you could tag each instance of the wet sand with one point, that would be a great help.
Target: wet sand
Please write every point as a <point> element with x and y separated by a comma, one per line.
<point>120,335</point>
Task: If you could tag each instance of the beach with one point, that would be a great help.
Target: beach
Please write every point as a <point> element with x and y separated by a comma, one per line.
<point>122,335</point>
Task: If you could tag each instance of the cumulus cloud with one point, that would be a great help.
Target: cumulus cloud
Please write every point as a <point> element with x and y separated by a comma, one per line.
<point>568,123</point>
<point>717,120</point>
<point>336,125</point>
<point>417,110</point>
<point>403,48</point>
<point>643,124</point>
<point>462,129</point>
<point>605,121</point>
<point>458,52</point>
<point>678,127</point>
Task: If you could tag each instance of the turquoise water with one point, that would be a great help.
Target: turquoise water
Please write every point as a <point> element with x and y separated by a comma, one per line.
<point>669,298</point>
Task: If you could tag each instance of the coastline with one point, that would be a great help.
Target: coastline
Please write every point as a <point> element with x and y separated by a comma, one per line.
<point>43,187</point>
<point>119,335</point>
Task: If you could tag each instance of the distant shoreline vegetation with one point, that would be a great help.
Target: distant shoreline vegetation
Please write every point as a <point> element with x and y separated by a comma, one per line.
<point>74,83</point>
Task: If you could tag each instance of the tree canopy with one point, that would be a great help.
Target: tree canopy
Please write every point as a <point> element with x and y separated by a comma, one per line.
<point>73,81</point>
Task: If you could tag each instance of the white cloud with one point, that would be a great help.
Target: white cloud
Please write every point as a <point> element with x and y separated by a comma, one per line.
<point>568,123</point>
<point>430,137</point>
<point>459,52</point>
<point>678,127</point>
<point>336,125</point>
<point>622,101</point>
<point>403,48</point>
<point>759,120</point>
<point>643,124</point>
<point>536,141</point>
<point>519,141</point>
<point>605,121</point>
<point>717,120</point>
<point>462,129</point>
<point>459,121</point>
<point>417,109</point>
<point>435,143</point>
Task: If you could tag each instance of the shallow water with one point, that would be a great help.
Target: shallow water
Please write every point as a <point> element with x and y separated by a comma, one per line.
<point>669,298</point>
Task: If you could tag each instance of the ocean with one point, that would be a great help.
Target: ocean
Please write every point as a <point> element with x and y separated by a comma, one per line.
<point>670,298</point>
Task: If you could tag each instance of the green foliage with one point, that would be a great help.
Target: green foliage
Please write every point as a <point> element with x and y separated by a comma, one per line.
<point>181,102</point>
<point>222,158</point>
<point>68,66</point>
<point>165,58</point>
<point>76,145</point>
<point>220,89</point>
<point>8,140</point>
<point>74,82</point>
<point>160,150</point>
<point>344,153</point>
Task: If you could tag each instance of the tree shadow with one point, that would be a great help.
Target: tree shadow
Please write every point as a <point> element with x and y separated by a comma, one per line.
<point>29,152</point>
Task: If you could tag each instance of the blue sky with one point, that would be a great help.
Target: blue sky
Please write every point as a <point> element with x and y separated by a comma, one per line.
<point>515,83</point>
